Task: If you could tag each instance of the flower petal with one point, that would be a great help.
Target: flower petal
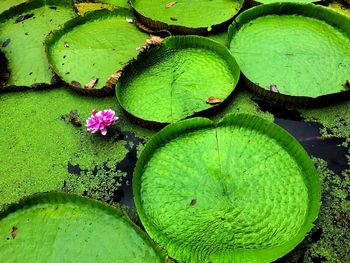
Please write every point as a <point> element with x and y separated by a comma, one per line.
<point>104,131</point>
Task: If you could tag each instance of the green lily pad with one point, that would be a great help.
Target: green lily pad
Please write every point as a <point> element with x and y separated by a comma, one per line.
<point>177,79</point>
<point>7,4</point>
<point>121,3</point>
<point>243,190</point>
<point>186,17</point>
<point>293,52</point>
<point>94,47</point>
<point>258,2</point>
<point>57,227</point>
<point>22,33</point>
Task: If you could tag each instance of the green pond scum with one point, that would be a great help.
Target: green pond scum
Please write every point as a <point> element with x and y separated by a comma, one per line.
<point>329,240</point>
<point>41,146</point>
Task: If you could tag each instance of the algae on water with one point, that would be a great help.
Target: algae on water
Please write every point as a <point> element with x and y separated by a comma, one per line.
<point>329,241</point>
<point>40,145</point>
<point>335,119</point>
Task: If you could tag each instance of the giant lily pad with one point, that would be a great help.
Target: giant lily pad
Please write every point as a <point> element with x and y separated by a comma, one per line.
<point>121,3</point>
<point>258,2</point>
<point>93,47</point>
<point>186,17</point>
<point>83,8</point>
<point>243,190</point>
<point>22,33</point>
<point>293,52</point>
<point>177,79</point>
<point>5,5</point>
<point>67,228</point>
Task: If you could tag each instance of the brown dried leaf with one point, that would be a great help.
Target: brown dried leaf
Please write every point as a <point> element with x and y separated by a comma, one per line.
<point>170,4</point>
<point>154,40</point>
<point>212,100</point>
<point>273,88</point>
<point>76,84</point>
<point>91,84</point>
<point>14,232</point>
<point>193,201</point>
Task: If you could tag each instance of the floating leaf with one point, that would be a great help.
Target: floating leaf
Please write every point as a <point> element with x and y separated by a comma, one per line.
<point>189,17</point>
<point>14,232</point>
<point>261,190</point>
<point>170,4</point>
<point>259,2</point>
<point>7,4</point>
<point>292,63</point>
<point>91,84</point>
<point>70,228</point>
<point>26,53</point>
<point>112,46</point>
<point>167,83</point>
<point>213,100</point>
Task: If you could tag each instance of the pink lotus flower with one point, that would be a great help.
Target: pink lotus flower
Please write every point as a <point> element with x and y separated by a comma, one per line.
<point>100,120</point>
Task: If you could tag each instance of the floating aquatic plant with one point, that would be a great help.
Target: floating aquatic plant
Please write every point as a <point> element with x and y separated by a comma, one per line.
<point>100,120</point>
